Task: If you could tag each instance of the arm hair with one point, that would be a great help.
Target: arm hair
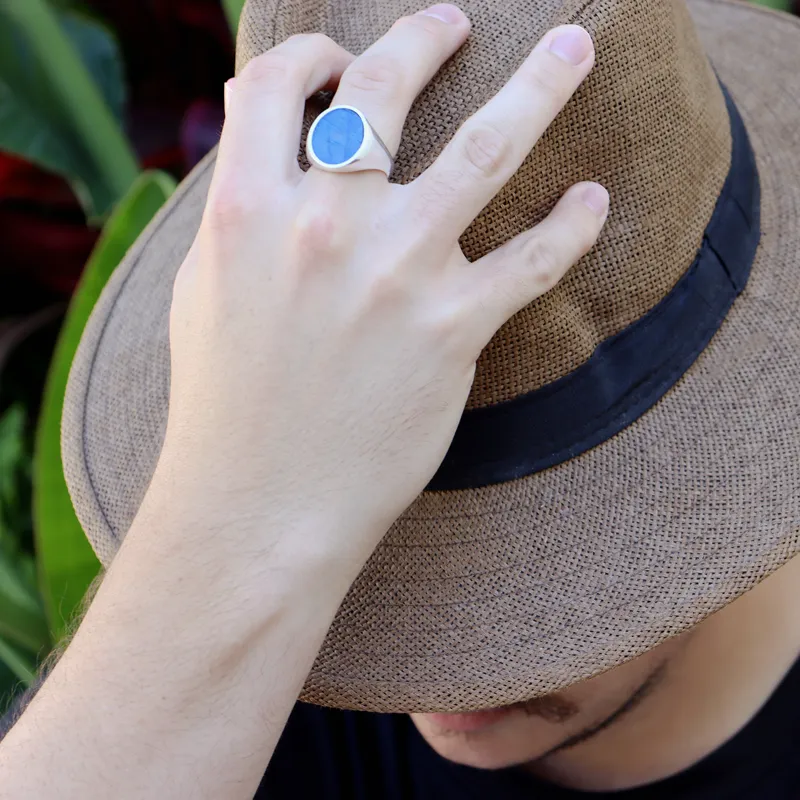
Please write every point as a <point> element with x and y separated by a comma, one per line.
<point>17,708</point>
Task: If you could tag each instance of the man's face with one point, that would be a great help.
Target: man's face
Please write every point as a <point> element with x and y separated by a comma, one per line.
<point>528,732</point>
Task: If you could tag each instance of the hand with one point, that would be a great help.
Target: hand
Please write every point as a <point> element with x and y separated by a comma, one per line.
<point>325,327</point>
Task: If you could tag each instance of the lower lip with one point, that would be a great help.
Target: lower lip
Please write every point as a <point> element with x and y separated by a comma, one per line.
<point>471,721</point>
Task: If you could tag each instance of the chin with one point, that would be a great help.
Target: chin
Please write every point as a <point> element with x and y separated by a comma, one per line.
<point>508,740</point>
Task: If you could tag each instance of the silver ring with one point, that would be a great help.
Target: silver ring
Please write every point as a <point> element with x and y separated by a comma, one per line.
<point>342,140</point>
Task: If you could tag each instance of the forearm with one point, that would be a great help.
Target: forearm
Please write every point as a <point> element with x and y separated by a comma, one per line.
<point>181,678</point>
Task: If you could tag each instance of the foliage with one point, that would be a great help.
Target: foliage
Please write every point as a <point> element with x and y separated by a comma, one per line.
<point>24,634</point>
<point>63,107</point>
<point>177,55</point>
<point>67,564</point>
<point>60,84</point>
<point>62,102</point>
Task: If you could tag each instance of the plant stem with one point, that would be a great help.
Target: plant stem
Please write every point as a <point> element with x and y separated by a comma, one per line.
<point>82,103</point>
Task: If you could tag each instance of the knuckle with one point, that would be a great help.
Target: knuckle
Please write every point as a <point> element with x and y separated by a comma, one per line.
<point>376,74</point>
<point>382,290</point>
<point>312,45</point>
<point>317,231</point>
<point>486,150</point>
<point>542,262</point>
<point>511,289</point>
<point>387,287</point>
<point>450,324</point>
<point>310,40</point>
<point>422,25</point>
<point>273,69</point>
<point>231,203</point>
<point>546,78</point>
<point>434,197</point>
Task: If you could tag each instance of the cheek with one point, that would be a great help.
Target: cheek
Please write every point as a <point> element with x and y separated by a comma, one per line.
<point>514,740</point>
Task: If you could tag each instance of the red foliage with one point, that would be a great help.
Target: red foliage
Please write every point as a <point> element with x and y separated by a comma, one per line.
<point>45,240</point>
<point>177,54</point>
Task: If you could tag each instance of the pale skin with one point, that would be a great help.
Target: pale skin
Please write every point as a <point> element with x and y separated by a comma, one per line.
<point>276,483</point>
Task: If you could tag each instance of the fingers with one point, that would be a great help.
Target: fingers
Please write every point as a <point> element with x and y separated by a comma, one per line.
<point>265,109</point>
<point>490,147</point>
<point>508,279</point>
<point>384,81</point>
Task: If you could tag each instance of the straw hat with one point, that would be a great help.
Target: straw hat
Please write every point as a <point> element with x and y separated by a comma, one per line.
<point>629,460</point>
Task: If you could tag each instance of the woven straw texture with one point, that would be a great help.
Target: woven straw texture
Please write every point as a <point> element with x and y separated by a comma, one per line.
<point>659,231</point>
<point>485,597</point>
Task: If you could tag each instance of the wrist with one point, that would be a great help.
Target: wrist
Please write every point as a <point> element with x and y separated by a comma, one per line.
<point>181,585</point>
<point>235,511</point>
<point>240,542</point>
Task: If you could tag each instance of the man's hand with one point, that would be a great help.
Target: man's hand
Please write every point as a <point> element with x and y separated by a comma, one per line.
<point>325,327</point>
<point>324,335</point>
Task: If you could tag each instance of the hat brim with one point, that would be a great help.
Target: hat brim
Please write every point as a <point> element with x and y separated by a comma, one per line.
<point>490,596</point>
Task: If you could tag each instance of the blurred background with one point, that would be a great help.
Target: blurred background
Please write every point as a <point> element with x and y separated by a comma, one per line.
<point>104,106</point>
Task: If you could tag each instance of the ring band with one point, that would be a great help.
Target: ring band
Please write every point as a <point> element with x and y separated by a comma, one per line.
<point>342,140</point>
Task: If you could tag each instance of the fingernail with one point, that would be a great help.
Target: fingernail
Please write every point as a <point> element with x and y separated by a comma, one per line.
<point>228,90</point>
<point>573,45</point>
<point>446,13</point>
<point>596,198</point>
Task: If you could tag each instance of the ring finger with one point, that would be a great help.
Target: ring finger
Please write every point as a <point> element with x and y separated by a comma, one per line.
<point>385,79</point>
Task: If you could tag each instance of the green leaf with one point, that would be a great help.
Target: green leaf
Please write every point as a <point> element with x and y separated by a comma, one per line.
<point>22,665</point>
<point>233,10</point>
<point>781,5</point>
<point>61,94</point>
<point>12,458</point>
<point>99,51</point>
<point>10,686</point>
<point>22,619</point>
<point>15,479</point>
<point>67,564</point>
<point>24,133</point>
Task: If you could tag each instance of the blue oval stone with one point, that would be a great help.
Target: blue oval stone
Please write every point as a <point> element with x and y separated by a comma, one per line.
<point>338,136</point>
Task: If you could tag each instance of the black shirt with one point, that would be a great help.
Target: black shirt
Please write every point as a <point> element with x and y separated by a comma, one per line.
<point>346,755</point>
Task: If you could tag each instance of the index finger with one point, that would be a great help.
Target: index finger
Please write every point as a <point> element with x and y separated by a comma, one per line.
<point>265,115</point>
<point>492,144</point>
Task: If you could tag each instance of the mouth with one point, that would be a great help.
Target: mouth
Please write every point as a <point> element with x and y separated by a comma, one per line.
<point>553,708</point>
<point>471,721</point>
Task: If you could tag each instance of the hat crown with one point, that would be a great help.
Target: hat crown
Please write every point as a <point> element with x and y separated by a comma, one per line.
<point>650,124</point>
